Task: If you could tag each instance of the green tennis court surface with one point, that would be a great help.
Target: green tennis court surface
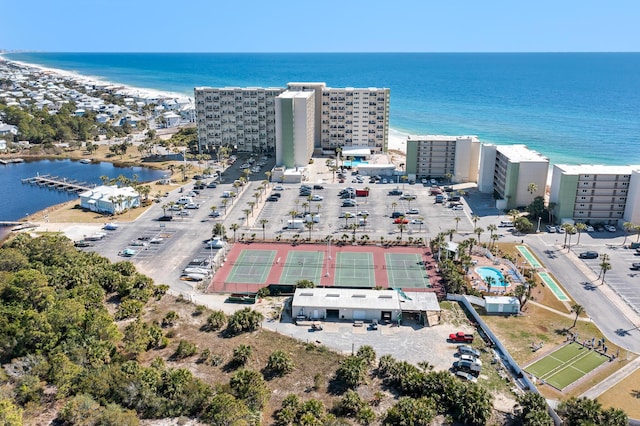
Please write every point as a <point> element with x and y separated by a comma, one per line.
<point>302,265</point>
<point>566,365</point>
<point>252,266</point>
<point>406,270</point>
<point>354,270</point>
<point>553,286</point>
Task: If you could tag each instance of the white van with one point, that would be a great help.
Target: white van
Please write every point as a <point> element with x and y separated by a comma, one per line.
<point>185,200</point>
<point>295,224</point>
<point>506,224</point>
<point>315,218</point>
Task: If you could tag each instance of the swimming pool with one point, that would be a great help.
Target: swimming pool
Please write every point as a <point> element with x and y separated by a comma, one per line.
<point>487,271</point>
<point>353,163</point>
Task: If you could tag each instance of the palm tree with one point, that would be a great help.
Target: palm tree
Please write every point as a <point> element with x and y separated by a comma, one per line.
<point>450,233</point>
<point>478,231</point>
<point>576,309</point>
<point>489,281</point>
<point>225,201</point>
<point>268,175</point>
<point>401,227</point>
<point>532,189</point>
<point>394,205</point>
<point>293,214</point>
<point>457,219</point>
<point>234,227</point>
<point>257,196</point>
<point>347,216</point>
<point>470,243</point>
<point>570,229</point>
<point>492,228</point>
<point>305,205</point>
<point>475,218</point>
<point>550,208</point>
<point>309,225</point>
<point>520,292</point>
<point>263,222</point>
<point>364,219</point>
<point>366,199</point>
<point>213,210</point>
<point>494,238</point>
<point>246,214</point>
<point>579,228</point>
<point>251,204</point>
<point>165,207</point>
<point>628,226</point>
<point>514,214</point>
<point>604,266</point>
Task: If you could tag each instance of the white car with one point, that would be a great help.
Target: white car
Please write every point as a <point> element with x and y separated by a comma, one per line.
<point>215,243</point>
<point>278,188</point>
<point>192,206</point>
<point>466,376</point>
<point>317,198</point>
<point>610,228</point>
<point>416,222</point>
<point>550,229</point>
<point>458,207</point>
<point>559,229</point>
<point>183,213</point>
<point>589,228</point>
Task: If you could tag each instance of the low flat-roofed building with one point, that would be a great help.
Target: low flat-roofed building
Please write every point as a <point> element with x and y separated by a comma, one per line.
<point>502,305</point>
<point>363,305</point>
<point>109,199</point>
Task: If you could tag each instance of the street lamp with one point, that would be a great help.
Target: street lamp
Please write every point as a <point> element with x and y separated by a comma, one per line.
<point>539,219</point>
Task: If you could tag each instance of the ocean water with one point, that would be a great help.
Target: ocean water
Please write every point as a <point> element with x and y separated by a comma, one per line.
<point>576,108</point>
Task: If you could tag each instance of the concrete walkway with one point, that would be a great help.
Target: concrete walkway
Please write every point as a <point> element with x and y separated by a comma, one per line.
<point>612,380</point>
<point>555,311</point>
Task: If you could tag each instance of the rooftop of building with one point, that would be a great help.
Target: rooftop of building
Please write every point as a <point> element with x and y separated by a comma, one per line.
<point>597,169</point>
<point>520,153</point>
<point>290,94</point>
<point>438,138</point>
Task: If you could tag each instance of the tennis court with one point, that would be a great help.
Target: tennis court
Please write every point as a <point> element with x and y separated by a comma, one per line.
<point>302,265</point>
<point>355,269</point>
<point>406,270</point>
<point>252,266</point>
<point>566,365</point>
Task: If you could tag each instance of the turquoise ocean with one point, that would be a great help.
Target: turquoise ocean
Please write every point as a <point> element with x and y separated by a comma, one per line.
<point>576,108</point>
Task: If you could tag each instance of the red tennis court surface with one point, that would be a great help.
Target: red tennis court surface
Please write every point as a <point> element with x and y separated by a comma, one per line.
<point>249,267</point>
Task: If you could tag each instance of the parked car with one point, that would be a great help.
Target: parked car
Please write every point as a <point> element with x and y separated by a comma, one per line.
<point>396,215</point>
<point>212,185</point>
<point>278,188</point>
<point>395,192</point>
<point>466,349</point>
<point>470,358</point>
<point>317,198</point>
<point>183,213</point>
<point>215,213</point>
<point>416,222</point>
<point>588,255</point>
<point>550,229</point>
<point>272,198</point>
<point>192,206</point>
<point>610,228</point>
<point>318,187</point>
<point>589,228</point>
<point>165,218</point>
<point>635,266</point>
<point>467,366</point>
<point>83,243</point>
<point>461,337</point>
<point>363,212</point>
<point>413,211</point>
<point>348,203</point>
<point>401,220</point>
<point>466,376</point>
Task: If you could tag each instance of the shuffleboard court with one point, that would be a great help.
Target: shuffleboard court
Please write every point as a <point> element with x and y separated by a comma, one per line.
<point>524,251</point>
<point>406,270</point>
<point>553,286</point>
<point>302,265</point>
<point>566,365</point>
<point>252,266</point>
<point>353,269</point>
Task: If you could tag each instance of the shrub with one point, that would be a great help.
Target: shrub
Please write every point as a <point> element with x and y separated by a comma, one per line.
<point>243,321</point>
<point>129,309</point>
<point>216,321</point>
<point>241,354</point>
<point>185,349</point>
<point>280,363</point>
<point>170,318</point>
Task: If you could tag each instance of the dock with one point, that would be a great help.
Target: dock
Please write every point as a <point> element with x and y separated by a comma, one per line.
<point>58,183</point>
<point>6,161</point>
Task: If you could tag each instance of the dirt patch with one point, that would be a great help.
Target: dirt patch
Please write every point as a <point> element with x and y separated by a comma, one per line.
<point>625,394</point>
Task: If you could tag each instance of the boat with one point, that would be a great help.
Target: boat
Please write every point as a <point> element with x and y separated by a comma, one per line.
<point>86,161</point>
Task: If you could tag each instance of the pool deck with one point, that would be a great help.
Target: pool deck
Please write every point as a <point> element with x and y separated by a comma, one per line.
<point>477,281</point>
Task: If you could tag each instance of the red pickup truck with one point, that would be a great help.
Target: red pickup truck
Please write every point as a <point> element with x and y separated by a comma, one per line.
<point>461,337</point>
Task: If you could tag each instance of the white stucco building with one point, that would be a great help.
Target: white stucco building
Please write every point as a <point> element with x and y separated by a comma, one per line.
<point>596,194</point>
<point>508,171</point>
<point>438,156</point>
<point>109,199</point>
<point>295,128</point>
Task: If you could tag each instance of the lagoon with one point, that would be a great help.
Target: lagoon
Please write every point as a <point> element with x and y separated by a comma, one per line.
<point>18,200</point>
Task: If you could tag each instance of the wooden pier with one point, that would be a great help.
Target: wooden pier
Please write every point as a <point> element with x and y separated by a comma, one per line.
<point>58,183</point>
<point>6,161</point>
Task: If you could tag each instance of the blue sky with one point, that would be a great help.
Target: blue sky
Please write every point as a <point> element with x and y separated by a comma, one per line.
<point>321,26</point>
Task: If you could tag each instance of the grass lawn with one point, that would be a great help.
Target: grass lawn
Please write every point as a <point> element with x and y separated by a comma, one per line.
<point>625,394</point>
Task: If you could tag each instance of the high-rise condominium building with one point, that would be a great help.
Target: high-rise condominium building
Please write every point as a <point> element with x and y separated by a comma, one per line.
<point>595,194</point>
<point>437,156</point>
<point>245,118</point>
<point>514,173</point>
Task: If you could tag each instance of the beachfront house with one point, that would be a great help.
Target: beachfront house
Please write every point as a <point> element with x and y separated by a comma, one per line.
<point>8,129</point>
<point>109,199</point>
